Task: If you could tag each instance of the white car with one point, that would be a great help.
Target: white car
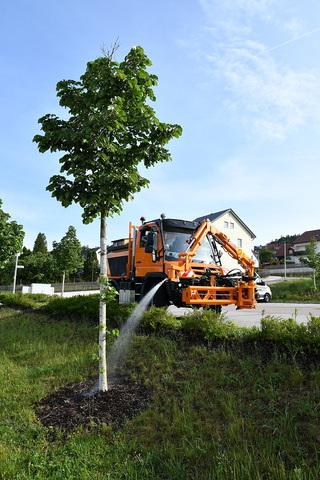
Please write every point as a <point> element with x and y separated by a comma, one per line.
<point>263,291</point>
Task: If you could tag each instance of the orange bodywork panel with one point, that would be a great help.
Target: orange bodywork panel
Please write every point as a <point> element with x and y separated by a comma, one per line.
<point>208,295</point>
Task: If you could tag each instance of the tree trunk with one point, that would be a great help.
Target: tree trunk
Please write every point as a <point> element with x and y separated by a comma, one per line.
<point>103,383</point>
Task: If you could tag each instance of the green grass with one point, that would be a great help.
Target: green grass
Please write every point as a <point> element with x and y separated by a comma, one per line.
<point>215,414</point>
<point>295,291</point>
<point>24,301</point>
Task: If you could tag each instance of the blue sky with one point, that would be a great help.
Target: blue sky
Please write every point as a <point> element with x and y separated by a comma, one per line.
<point>241,76</point>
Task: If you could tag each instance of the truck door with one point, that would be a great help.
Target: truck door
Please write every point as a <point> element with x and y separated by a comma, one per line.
<point>148,247</point>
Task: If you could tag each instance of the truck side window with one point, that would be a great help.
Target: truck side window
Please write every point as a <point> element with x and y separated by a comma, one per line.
<point>144,238</point>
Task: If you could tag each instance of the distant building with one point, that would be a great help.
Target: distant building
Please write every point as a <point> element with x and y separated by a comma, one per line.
<point>296,248</point>
<point>228,222</point>
<point>300,244</point>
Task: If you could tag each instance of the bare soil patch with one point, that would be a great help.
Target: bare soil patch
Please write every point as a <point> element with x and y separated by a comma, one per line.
<point>72,407</point>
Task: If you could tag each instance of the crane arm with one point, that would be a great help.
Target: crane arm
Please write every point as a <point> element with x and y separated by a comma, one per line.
<point>205,228</point>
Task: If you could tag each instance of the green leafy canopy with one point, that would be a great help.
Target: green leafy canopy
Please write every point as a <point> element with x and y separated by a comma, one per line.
<point>111,129</point>
<point>67,252</point>
<point>11,237</point>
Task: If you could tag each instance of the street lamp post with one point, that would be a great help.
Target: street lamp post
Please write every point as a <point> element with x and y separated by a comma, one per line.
<point>15,273</point>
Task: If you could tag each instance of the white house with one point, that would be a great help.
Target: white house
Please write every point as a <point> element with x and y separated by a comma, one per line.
<point>300,243</point>
<point>228,222</point>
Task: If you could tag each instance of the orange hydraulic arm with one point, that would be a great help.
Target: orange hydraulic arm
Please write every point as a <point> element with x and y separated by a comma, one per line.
<point>243,295</point>
<point>206,228</point>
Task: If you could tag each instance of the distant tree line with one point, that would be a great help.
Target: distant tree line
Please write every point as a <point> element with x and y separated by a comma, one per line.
<point>285,239</point>
<point>68,256</point>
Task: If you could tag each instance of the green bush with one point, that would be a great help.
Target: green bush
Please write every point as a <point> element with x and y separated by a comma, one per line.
<point>86,307</point>
<point>293,335</point>
<point>81,307</point>
<point>158,320</point>
<point>118,314</point>
<point>24,301</point>
<point>210,326</point>
<point>313,328</point>
<point>295,290</point>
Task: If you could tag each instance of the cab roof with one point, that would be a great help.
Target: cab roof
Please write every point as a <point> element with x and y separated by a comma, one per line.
<point>172,223</point>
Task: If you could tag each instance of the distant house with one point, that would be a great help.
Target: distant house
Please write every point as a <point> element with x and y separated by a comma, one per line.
<point>228,222</point>
<point>300,244</point>
<point>296,248</point>
<point>281,250</point>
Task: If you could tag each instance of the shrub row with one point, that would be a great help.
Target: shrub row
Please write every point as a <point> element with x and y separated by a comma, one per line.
<point>296,291</point>
<point>203,326</point>
<point>81,307</point>
<point>24,301</point>
<point>211,327</point>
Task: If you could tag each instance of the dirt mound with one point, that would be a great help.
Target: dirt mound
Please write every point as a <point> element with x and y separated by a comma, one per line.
<point>74,406</point>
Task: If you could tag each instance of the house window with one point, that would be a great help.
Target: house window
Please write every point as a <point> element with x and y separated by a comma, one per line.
<point>226,224</point>
<point>240,242</point>
<point>232,225</point>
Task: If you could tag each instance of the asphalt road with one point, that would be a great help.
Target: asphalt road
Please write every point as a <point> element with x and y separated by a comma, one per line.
<point>250,318</point>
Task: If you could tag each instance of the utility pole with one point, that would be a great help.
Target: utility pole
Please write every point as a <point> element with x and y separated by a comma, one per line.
<point>285,260</point>
<point>62,286</point>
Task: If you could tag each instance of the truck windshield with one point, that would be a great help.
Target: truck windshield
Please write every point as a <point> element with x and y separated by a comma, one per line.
<point>177,242</point>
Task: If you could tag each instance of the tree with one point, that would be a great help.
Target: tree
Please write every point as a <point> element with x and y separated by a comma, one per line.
<point>11,237</point>
<point>40,244</point>
<point>39,267</point>
<point>266,255</point>
<point>312,259</point>
<point>111,129</point>
<point>286,238</point>
<point>67,253</point>
<point>90,265</point>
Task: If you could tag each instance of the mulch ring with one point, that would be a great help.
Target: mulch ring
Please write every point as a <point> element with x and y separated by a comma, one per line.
<point>72,407</point>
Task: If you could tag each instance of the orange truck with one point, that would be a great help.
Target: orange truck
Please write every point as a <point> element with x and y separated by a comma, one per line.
<point>187,254</point>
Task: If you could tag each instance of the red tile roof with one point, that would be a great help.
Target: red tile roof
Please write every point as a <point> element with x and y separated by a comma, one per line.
<point>307,236</point>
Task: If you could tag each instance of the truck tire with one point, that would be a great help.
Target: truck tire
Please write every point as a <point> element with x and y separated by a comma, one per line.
<point>217,308</point>
<point>267,297</point>
<point>161,298</point>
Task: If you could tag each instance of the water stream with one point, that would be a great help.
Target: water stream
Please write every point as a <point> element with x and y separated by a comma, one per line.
<point>120,347</point>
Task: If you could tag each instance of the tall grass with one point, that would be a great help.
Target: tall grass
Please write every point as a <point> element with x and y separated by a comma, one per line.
<point>295,291</point>
<point>214,415</point>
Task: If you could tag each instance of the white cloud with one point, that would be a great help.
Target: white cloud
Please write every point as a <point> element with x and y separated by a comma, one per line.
<point>275,99</point>
<point>271,98</point>
<point>250,7</point>
<point>294,26</point>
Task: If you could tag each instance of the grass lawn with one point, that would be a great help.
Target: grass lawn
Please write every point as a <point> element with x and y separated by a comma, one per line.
<point>214,415</point>
<point>295,291</point>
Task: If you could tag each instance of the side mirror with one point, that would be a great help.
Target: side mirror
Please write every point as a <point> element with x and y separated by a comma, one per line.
<point>155,247</point>
<point>149,242</point>
<point>152,245</point>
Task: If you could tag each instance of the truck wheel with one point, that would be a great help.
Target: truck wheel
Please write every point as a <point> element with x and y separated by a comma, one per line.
<point>161,298</point>
<point>217,308</point>
<point>267,297</point>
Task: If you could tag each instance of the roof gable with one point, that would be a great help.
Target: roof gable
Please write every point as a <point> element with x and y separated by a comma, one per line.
<point>213,216</point>
<point>307,236</point>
